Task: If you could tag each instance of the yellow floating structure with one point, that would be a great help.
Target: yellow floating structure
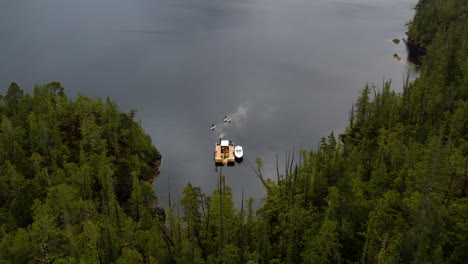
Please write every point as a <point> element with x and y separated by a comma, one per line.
<point>224,153</point>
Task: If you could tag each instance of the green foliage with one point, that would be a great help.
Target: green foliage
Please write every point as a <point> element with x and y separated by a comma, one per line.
<point>387,193</point>
<point>323,247</point>
<point>58,200</point>
<point>129,256</point>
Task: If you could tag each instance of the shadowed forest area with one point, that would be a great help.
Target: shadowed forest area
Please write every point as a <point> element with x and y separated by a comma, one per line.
<point>76,178</point>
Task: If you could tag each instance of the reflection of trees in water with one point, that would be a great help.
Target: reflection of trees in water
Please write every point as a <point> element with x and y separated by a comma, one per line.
<point>415,53</point>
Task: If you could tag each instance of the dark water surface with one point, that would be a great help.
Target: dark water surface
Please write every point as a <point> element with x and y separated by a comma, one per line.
<point>286,70</point>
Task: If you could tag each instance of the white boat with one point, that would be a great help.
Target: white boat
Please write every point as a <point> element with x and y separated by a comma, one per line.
<point>227,119</point>
<point>213,127</point>
<point>238,152</point>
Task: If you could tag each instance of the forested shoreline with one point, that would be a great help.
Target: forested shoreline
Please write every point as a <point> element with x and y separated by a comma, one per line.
<point>75,178</point>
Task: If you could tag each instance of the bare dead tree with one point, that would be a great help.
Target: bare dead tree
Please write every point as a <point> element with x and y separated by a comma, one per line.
<point>277,170</point>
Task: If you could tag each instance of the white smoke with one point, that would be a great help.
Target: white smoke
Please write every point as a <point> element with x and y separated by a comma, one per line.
<point>238,120</point>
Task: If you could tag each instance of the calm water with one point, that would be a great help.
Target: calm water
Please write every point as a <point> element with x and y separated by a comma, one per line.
<point>286,70</point>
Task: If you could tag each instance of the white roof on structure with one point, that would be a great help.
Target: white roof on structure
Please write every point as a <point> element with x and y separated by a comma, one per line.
<point>224,143</point>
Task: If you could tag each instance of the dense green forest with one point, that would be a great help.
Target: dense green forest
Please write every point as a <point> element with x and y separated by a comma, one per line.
<point>75,178</point>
